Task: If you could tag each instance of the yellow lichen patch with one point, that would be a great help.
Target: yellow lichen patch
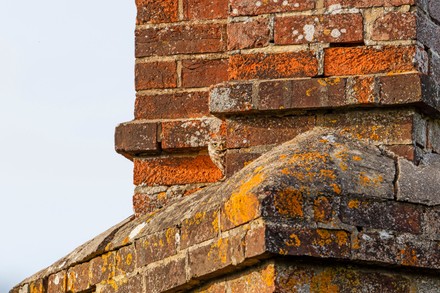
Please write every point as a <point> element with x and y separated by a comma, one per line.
<point>219,250</point>
<point>365,180</point>
<point>283,157</point>
<point>354,204</point>
<point>330,174</point>
<point>36,288</point>
<point>341,238</point>
<point>215,223</point>
<point>129,259</point>
<point>289,202</point>
<point>409,257</point>
<point>356,158</point>
<point>243,205</point>
<point>321,209</point>
<point>285,171</point>
<point>258,169</point>
<point>322,283</point>
<point>293,240</point>
<point>355,243</point>
<point>283,251</point>
<point>336,188</point>
<point>309,92</point>
<point>324,238</point>
<point>268,275</point>
<point>170,235</point>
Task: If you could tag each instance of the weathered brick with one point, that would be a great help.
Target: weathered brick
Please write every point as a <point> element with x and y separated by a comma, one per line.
<point>259,279</point>
<point>205,9</point>
<point>322,209</point>
<point>102,268</point>
<point>387,127</point>
<point>250,7</point>
<point>156,247</point>
<point>427,32</point>
<point>190,133</point>
<point>303,29</point>
<point>172,106</point>
<point>200,227</point>
<point>400,89</point>
<point>203,73</point>
<point>434,135</point>
<point>375,246</point>
<point>253,33</point>
<point>237,161</point>
<point>166,275</point>
<point>416,253</point>
<point>152,11</point>
<point>368,60</point>
<point>175,170</point>
<point>386,215</point>
<point>57,283</point>
<point>135,138</point>
<point>395,26</point>
<point>78,277</point>
<point>124,285</point>
<point>265,66</point>
<point>434,9</point>
<point>362,90</point>
<point>284,203</point>
<point>301,94</point>
<point>231,98</point>
<point>217,255</point>
<point>405,151</point>
<point>180,39</point>
<point>255,241</point>
<point>308,242</point>
<point>213,287</point>
<point>155,75</point>
<point>125,260</point>
<point>37,286</point>
<point>246,132</point>
<point>365,3</point>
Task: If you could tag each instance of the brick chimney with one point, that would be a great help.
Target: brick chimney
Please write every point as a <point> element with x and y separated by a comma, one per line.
<point>278,146</point>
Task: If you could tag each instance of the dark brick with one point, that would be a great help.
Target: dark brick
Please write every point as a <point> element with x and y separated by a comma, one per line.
<point>102,268</point>
<point>155,75</point>
<point>125,260</point>
<point>172,106</point>
<point>386,215</point>
<point>434,9</point>
<point>246,132</point>
<point>237,161</point>
<point>337,28</point>
<point>400,89</point>
<point>124,285</point>
<point>265,66</point>
<point>378,246</point>
<point>427,32</point>
<point>254,33</point>
<point>203,73</point>
<point>135,138</point>
<point>57,282</point>
<point>308,242</point>
<point>200,227</point>
<point>367,3</point>
<point>78,277</point>
<point>180,39</point>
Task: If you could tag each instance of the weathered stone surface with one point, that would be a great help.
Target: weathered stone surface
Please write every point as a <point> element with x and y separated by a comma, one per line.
<point>420,184</point>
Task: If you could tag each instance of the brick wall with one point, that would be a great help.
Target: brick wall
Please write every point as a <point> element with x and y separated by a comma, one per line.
<point>253,74</point>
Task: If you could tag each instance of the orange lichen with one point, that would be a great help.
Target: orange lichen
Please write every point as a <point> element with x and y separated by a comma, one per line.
<point>289,202</point>
<point>293,240</point>
<point>323,283</point>
<point>243,205</point>
<point>354,204</point>
<point>409,257</point>
<point>336,188</point>
<point>321,209</point>
<point>330,174</point>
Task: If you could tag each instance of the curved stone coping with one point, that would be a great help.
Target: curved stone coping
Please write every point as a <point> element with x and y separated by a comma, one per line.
<point>324,194</point>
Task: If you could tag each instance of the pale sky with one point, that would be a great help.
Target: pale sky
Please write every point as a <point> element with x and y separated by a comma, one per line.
<point>66,81</point>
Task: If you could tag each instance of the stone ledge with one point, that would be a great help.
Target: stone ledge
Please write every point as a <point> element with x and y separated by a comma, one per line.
<point>323,195</point>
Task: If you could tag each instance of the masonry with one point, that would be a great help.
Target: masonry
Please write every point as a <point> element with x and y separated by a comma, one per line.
<point>278,146</point>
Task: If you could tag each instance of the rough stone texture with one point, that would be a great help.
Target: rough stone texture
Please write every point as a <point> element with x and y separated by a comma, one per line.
<point>271,207</point>
<point>411,180</point>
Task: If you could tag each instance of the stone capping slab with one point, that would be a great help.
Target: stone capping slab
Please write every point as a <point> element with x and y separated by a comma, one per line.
<point>323,194</point>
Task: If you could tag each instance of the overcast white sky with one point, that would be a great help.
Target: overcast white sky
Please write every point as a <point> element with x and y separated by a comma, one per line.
<point>66,80</point>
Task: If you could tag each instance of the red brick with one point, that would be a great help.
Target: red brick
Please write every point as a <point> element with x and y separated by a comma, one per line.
<point>252,7</point>
<point>190,133</point>
<point>405,151</point>
<point>368,60</point>
<point>303,29</point>
<point>253,33</point>
<point>135,138</point>
<point>246,132</point>
<point>301,94</point>
<point>172,106</point>
<point>400,89</point>
<point>205,9</point>
<point>180,39</point>
<point>265,66</point>
<point>203,73</point>
<point>395,26</point>
<point>257,279</point>
<point>175,170</point>
<point>152,11</point>
<point>166,275</point>
<point>156,75</point>
<point>362,90</point>
<point>367,3</point>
